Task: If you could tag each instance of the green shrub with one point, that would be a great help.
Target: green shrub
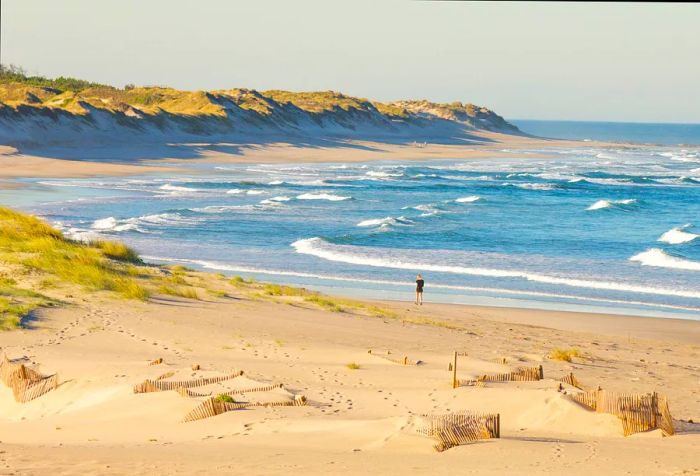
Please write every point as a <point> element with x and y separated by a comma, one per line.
<point>222,397</point>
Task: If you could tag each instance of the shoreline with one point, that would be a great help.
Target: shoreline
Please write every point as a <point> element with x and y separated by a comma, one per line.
<point>355,418</point>
<point>115,160</point>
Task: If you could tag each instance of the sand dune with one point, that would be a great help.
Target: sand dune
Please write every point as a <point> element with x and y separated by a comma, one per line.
<point>354,419</point>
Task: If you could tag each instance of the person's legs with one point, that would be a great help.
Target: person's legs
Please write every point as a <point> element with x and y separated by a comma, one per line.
<point>417,296</point>
<point>420,298</point>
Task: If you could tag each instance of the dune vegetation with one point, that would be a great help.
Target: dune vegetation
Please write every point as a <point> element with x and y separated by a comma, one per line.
<point>139,109</point>
<point>41,257</point>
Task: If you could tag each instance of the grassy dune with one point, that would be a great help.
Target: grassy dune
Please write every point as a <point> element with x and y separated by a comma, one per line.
<point>35,255</point>
<point>158,104</point>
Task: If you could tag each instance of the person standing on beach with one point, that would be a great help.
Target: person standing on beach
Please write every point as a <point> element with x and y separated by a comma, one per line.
<point>419,290</point>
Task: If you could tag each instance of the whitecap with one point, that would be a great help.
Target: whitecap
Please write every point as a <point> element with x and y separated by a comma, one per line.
<point>676,236</point>
<point>469,199</point>
<point>658,258</point>
<point>388,221</point>
<point>381,174</point>
<point>176,189</point>
<point>322,196</point>
<point>531,186</point>
<point>600,204</point>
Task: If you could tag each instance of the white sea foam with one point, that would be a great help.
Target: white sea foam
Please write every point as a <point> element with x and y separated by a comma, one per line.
<point>658,258</point>
<point>600,204</point>
<point>610,181</point>
<point>428,209</point>
<point>234,191</point>
<point>469,199</point>
<point>388,221</point>
<point>382,174</point>
<point>676,236</point>
<point>276,182</point>
<point>347,254</point>
<point>112,224</point>
<point>322,196</point>
<point>531,186</point>
<point>217,208</point>
<point>78,234</point>
<point>176,189</point>
<point>255,192</point>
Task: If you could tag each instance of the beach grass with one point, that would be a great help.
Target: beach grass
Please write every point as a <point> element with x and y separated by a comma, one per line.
<point>353,366</point>
<point>184,292</point>
<point>565,355</point>
<point>222,397</point>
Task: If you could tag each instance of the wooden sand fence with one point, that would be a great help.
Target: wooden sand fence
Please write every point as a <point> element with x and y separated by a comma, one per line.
<point>26,383</point>
<point>454,429</point>
<point>186,392</point>
<point>638,412</point>
<point>213,406</point>
<point>397,360</point>
<point>157,385</point>
<point>521,374</point>
<point>571,380</point>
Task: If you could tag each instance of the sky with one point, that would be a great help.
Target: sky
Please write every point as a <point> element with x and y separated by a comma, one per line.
<point>561,61</point>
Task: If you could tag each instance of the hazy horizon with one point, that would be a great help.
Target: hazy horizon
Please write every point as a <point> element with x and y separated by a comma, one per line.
<point>574,62</point>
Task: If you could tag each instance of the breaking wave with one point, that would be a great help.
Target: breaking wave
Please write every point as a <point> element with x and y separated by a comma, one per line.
<point>348,254</point>
<point>676,236</point>
<point>469,199</point>
<point>600,204</point>
<point>388,221</point>
<point>658,258</point>
<point>322,196</point>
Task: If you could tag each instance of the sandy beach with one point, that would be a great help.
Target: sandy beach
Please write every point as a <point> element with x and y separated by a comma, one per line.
<point>355,420</point>
<point>91,161</point>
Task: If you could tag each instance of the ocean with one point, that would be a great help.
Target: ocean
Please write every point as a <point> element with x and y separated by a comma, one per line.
<point>612,229</point>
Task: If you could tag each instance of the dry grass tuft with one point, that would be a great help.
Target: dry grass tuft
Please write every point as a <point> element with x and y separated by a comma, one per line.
<point>565,355</point>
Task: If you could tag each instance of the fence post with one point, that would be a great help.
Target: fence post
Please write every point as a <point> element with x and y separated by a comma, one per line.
<point>498,425</point>
<point>454,371</point>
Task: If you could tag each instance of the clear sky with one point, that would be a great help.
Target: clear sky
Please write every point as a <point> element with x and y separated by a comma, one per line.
<point>627,62</point>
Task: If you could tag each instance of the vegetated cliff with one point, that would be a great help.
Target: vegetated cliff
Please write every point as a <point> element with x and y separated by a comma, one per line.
<point>65,111</point>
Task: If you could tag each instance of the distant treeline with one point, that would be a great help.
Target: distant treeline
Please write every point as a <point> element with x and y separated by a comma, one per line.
<point>16,74</point>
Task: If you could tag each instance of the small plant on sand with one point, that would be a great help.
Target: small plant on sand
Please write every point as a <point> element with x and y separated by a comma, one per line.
<point>117,251</point>
<point>279,290</point>
<point>564,355</point>
<point>222,397</point>
<point>187,293</point>
<point>240,281</point>
<point>324,302</point>
<point>353,366</point>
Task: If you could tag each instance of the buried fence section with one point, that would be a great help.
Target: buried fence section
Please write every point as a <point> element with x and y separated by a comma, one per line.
<point>186,392</point>
<point>213,406</point>
<point>454,429</point>
<point>163,385</point>
<point>637,412</point>
<point>397,360</point>
<point>26,383</point>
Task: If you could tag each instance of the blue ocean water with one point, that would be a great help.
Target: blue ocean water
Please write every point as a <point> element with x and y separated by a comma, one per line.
<point>613,229</point>
<point>628,132</point>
